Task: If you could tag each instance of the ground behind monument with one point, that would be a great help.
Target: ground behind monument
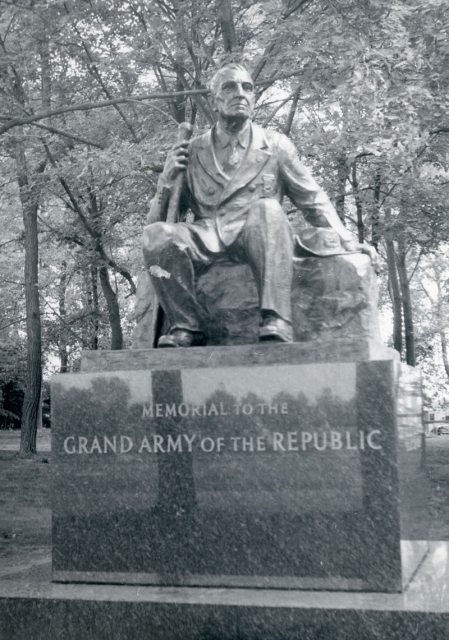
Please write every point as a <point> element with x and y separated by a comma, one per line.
<point>25,496</point>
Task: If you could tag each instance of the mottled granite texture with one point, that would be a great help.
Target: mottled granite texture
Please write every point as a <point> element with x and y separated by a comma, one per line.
<point>333,297</point>
<point>33,607</point>
<point>291,476</point>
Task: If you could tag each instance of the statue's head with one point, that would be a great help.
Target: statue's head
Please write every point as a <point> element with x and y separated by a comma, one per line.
<point>232,93</point>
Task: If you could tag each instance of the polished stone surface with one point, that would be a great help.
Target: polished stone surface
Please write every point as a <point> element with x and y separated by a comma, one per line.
<point>287,476</point>
<point>332,298</point>
<point>252,354</point>
<point>31,606</point>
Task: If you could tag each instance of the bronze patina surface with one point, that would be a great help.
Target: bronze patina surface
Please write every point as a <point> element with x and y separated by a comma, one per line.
<point>236,176</point>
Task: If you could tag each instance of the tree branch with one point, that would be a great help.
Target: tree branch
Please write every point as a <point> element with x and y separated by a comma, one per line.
<point>276,109</point>
<point>421,253</point>
<point>18,239</point>
<point>95,72</point>
<point>295,7</point>
<point>91,231</point>
<point>87,106</point>
<point>12,122</point>
<point>266,54</point>
<point>65,134</point>
<point>291,115</point>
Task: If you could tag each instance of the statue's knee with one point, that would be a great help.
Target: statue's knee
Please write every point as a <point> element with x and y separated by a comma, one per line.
<point>157,235</point>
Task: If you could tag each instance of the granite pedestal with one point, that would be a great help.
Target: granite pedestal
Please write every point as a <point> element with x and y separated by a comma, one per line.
<point>238,467</point>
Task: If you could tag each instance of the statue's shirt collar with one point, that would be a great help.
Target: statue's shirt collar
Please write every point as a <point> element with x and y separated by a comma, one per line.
<point>243,137</point>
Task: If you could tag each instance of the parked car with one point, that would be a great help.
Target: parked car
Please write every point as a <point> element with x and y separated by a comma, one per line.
<point>443,430</point>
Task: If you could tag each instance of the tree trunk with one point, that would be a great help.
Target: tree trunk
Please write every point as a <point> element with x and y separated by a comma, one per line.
<point>226,21</point>
<point>291,115</point>
<point>406,305</point>
<point>62,342</point>
<point>44,52</point>
<point>179,103</point>
<point>90,328</point>
<point>444,352</point>
<point>358,205</point>
<point>29,196</point>
<point>96,308</point>
<point>393,284</point>
<point>110,295</point>
<point>375,234</point>
<point>113,309</point>
<point>342,173</point>
<point>395,295</point>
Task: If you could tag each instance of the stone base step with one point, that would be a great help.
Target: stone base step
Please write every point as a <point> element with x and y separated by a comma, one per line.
<point>33,607</point>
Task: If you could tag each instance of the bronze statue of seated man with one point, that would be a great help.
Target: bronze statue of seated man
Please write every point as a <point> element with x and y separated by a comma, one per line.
<point>236,176</point>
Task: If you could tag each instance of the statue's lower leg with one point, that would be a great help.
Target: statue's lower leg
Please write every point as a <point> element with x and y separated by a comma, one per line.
<point>267,242</point>
<point>172,274</point>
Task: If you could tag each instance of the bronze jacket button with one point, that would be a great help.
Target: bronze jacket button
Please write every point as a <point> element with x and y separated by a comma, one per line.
<point>252,187</point>
<point>210,191</point>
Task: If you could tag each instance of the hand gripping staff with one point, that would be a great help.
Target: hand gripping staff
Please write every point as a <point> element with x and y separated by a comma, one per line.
<point>185,131</point>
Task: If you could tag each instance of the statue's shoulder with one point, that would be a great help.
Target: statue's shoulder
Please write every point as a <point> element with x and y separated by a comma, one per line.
<point>274,138</point>
<point>201,139</point>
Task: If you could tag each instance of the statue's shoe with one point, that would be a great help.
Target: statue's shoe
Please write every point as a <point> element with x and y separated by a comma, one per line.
<point>181,338</point>
<point>275,330</point>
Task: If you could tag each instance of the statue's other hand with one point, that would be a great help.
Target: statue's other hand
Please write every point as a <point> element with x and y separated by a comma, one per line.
<point>364,248</point>
<point>177,161</point>
<point>372,253</point>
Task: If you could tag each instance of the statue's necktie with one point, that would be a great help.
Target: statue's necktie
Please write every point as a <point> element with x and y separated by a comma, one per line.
<point>234,156</point>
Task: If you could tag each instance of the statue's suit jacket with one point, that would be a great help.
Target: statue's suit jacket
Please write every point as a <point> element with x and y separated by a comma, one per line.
<point>270,169</point>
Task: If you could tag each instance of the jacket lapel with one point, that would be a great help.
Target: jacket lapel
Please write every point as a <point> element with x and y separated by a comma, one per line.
<point>256,158</point>
<point>207,160</point>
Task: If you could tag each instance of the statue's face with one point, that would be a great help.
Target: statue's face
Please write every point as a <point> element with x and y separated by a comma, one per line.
<point>234,97</point>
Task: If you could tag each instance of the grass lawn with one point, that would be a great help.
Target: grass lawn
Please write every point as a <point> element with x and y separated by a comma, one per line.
<point>25,513</point>
<point>25,503</point>
<point>437,448</point>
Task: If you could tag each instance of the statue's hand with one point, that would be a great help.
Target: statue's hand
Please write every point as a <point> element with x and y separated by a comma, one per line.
<point>372,253</point>
<point>177,161</point>
<point>353,246</point>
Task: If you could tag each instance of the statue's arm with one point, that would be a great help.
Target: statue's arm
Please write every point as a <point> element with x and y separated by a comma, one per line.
<point>176,162</point>
<point>310,198</point>
<point>306,194</point>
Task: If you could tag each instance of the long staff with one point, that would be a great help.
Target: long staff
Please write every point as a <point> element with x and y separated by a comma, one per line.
<point>185,131</point>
